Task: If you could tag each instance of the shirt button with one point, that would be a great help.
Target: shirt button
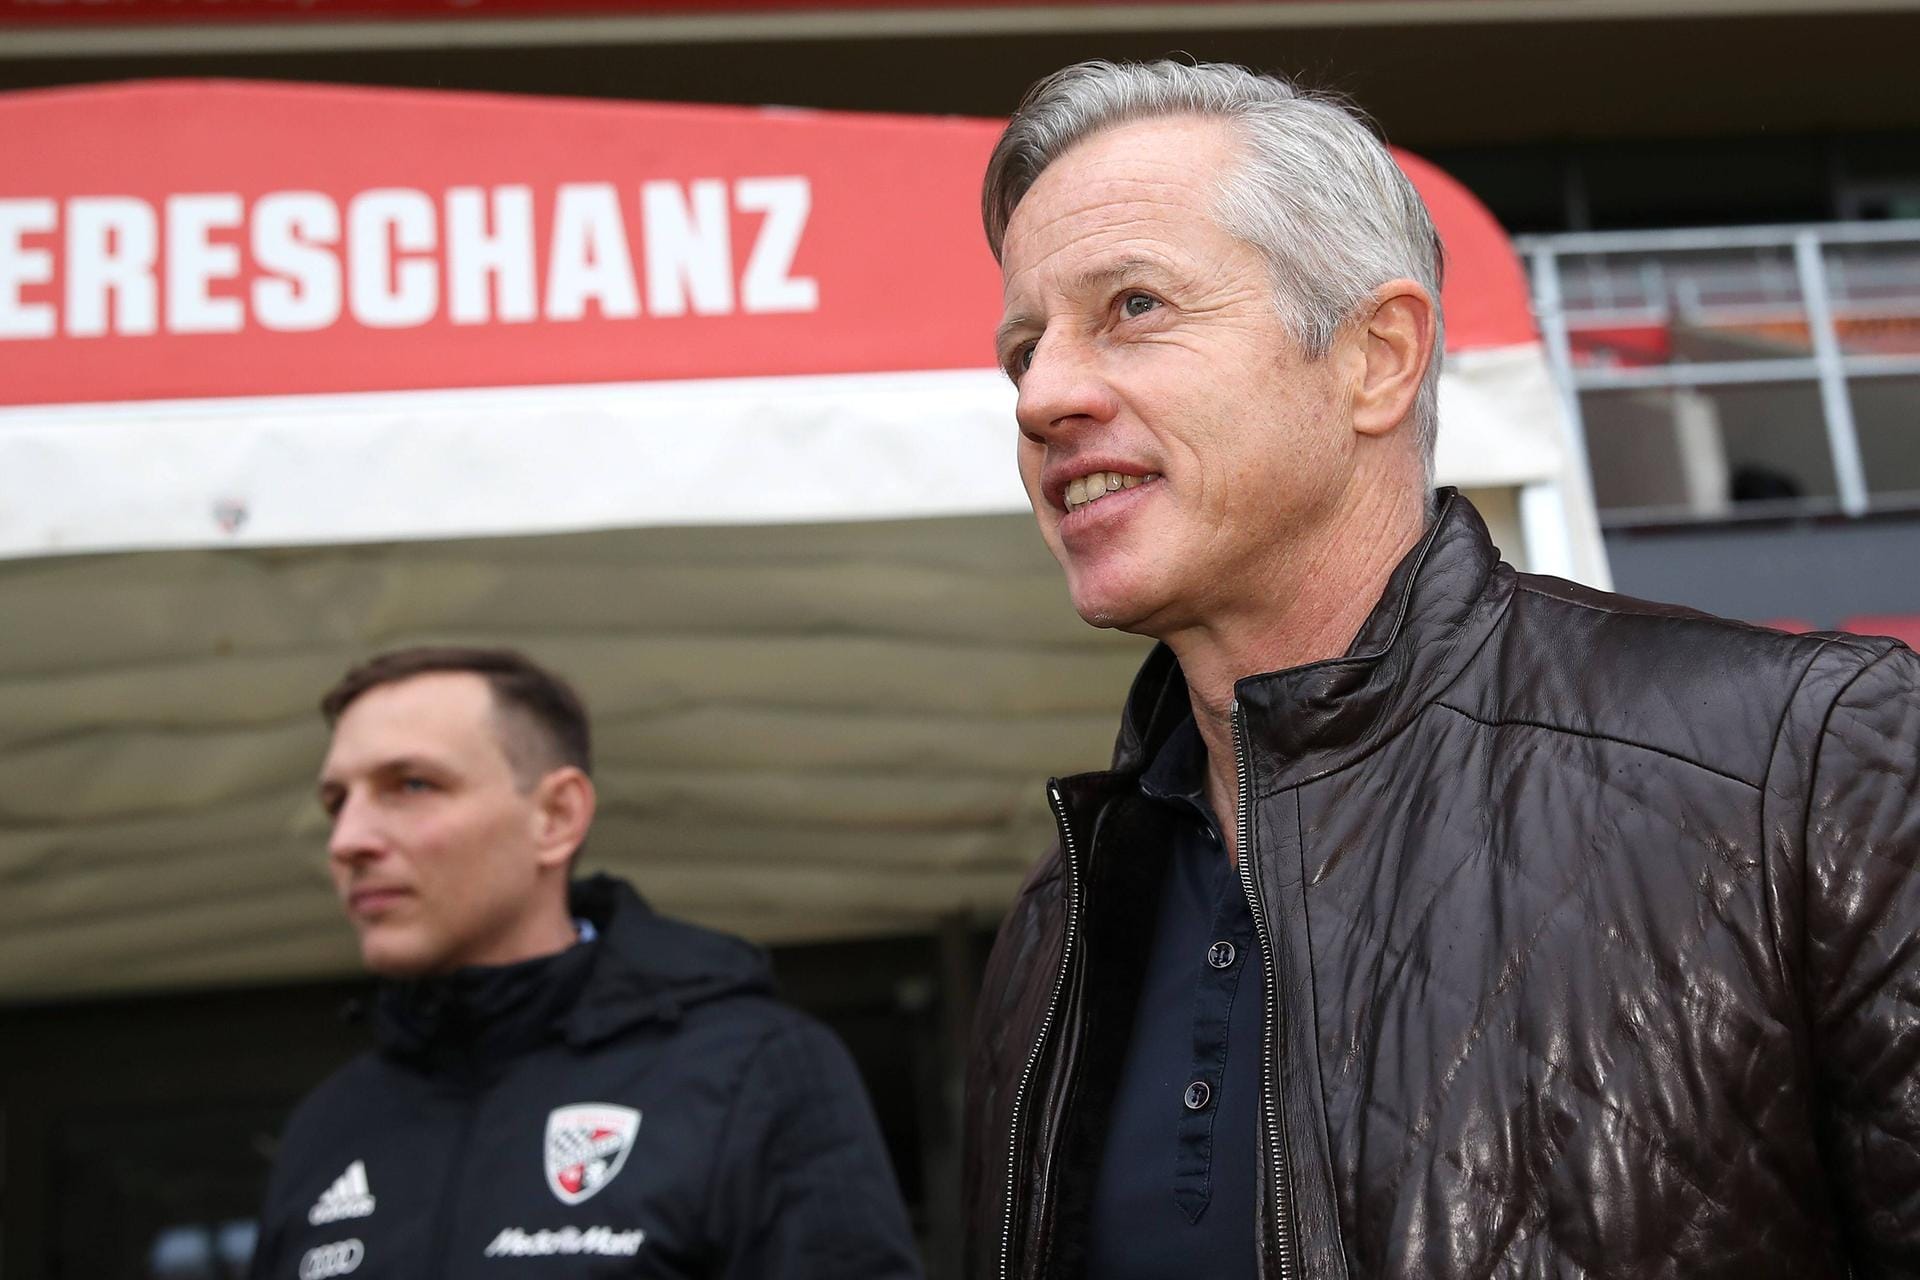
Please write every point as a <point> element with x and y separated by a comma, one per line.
<point>1197,1095</point>
<point>1220,954</point>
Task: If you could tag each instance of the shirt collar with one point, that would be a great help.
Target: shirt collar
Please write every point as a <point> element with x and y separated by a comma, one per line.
<point>1178,772</point>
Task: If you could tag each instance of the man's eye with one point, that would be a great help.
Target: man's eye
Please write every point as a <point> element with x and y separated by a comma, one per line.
<point>415,784</point>
<point>1138,304</point>
<point>1020,359</point>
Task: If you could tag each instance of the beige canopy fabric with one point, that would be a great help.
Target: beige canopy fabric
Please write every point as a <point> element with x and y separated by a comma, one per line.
<point>804,732</point>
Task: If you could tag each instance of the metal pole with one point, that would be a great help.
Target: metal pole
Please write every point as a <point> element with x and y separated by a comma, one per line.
<point>1549,310</point>
<point>1557,519</point>
<point>1843,441</point>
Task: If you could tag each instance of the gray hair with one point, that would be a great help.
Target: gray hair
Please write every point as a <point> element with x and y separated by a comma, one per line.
<point>1318,195</point>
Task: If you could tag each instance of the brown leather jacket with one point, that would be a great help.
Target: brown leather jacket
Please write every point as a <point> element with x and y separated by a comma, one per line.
<point>1594,934</point>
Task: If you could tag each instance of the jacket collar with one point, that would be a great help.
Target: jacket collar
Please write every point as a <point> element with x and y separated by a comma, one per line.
<point>1301,722</point>
<point>470,1020</point>
<point>641,967</point>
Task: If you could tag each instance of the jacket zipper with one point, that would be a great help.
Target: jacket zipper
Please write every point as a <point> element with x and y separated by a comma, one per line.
<point>1269,1051</point>
<point>1071,858</point>
<point>443,1218</point>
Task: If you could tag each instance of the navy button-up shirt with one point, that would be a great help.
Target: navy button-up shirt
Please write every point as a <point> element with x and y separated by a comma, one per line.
<point>1179,1175</point>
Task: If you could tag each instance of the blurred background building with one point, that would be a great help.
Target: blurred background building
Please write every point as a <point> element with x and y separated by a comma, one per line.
<point>1718,206</point>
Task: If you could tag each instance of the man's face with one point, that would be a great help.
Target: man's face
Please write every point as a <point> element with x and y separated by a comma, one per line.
<point>1146,346</point>
<point>435,846</point>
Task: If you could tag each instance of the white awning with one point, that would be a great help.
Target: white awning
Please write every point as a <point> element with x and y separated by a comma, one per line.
<point>312,470</point>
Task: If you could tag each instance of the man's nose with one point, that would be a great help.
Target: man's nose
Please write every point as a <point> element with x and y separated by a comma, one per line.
<point>355,834</point>
<point>1063,386</point>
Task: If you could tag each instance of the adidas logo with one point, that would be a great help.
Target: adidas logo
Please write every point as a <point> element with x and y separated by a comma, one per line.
<point>348,1197</point>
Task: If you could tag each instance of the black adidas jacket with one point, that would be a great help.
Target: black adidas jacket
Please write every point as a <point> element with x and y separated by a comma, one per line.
<point>635,1106</point>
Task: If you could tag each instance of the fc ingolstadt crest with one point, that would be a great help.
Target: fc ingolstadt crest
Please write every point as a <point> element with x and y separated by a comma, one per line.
<point>587,1143</point>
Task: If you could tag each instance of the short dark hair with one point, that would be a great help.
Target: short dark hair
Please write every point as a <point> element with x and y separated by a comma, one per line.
<point>544,723</point>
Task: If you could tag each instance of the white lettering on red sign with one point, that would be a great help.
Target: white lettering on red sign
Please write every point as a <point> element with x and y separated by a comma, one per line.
<point>394,258</point>
<point>766,284</point>
<point>488,249</point>
<point>195,261</point>
<point>391,284</point>
<point>112,243</point>
<point>21,266</point>
<point>294,239</point>
<point>589,261</point>
<point>688,250</point>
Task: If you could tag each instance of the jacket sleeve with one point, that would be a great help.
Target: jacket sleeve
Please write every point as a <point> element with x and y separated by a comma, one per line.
<point>270,1260</point>
<point>805,1190</point>
<point>267,1247</point>
<point>1863,959</point>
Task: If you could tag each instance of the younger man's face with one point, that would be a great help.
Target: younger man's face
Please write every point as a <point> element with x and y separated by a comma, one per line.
<point>435,843</point>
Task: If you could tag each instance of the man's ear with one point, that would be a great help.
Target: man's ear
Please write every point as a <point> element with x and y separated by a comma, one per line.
<point>1397,340</point>
<point>564,807</point>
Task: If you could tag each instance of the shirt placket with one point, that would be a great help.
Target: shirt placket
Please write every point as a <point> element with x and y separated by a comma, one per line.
<point>1219,966</point>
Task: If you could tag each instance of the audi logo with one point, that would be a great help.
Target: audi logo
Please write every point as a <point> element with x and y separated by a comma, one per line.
<point>331,1260</point>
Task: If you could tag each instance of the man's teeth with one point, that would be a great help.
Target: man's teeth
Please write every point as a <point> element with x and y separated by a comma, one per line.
<point>1097,486</point>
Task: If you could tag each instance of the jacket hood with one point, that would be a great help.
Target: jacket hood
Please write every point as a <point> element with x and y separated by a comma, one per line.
<point>640,967</point>
<point>651,967</point>
<point>1314,717</point>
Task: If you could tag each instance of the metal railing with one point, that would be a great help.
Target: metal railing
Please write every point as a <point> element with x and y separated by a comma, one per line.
<point>1780,297</point>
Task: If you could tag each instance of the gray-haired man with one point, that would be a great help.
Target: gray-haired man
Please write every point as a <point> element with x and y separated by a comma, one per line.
<point>1435,920</point>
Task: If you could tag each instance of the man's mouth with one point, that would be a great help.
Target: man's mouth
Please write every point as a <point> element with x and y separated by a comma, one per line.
<point>1089,489</point>
<point>373,901</point>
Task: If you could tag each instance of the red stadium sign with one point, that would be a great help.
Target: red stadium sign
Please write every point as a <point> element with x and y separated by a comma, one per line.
<point>236,312</point>
<point>187,239</point>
